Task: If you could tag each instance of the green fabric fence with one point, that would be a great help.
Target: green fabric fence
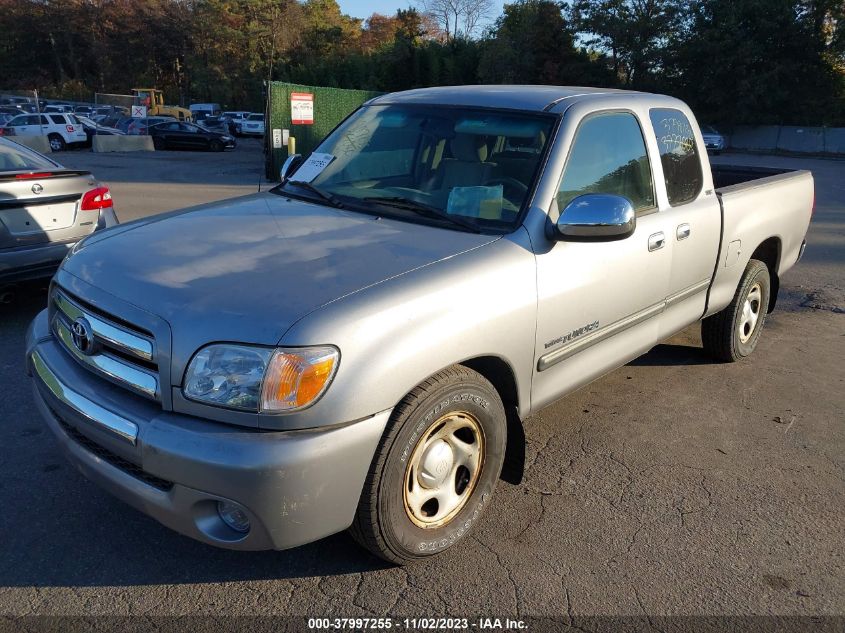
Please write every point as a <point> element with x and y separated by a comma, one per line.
<point>331,106</point>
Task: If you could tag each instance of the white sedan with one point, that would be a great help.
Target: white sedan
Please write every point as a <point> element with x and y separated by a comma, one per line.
<point>253,125</point>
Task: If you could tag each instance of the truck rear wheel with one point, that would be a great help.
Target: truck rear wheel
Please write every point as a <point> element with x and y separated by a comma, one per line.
<point>435,469</point>
<point>732,334</point>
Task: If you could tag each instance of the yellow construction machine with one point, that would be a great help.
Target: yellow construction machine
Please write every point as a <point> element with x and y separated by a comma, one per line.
<point>154,100</point>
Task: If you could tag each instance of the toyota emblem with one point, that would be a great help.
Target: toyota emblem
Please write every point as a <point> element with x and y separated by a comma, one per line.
<point>83,337</point>
<point>36,188</point>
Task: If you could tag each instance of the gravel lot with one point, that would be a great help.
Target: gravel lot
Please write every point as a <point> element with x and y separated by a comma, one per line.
<point>672,487</point>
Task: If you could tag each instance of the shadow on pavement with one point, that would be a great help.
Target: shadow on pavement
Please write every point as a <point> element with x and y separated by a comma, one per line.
<point>670,355</point>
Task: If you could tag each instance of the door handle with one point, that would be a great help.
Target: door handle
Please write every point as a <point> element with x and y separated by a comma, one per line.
<point>656,241</point>
<point>683,231</point>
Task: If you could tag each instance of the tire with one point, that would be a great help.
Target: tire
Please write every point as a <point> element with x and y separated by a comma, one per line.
<point>449,432</point>
<point>57,143</point>
<point>732,334</point>
<point>216,146</point>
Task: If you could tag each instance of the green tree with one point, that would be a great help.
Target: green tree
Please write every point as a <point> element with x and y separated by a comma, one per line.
<point>531,43</point>
<point>633,33</point>
<point>756,61</point>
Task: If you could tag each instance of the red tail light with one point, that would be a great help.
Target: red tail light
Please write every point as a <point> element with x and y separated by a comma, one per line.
<point>7,131</point>
<point>96,199</point>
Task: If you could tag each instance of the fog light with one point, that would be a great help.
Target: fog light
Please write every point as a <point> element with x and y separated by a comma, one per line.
<point>233,515</point>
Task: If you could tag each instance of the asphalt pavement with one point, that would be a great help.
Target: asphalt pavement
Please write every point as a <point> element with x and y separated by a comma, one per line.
<point>674,486</point>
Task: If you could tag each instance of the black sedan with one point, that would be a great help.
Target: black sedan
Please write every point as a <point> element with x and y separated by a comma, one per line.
<point>179,135</point>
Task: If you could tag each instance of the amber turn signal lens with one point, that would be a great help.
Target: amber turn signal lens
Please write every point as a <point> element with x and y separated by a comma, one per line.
<point>295,378</point>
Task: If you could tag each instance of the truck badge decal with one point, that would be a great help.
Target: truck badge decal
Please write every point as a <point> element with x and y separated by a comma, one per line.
<point>573,334</point>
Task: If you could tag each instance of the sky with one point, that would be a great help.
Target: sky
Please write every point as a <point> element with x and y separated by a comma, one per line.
<point>365,8</point>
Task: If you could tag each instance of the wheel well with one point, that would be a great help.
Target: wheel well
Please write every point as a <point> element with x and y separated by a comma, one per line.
<point>498,372</point>
<point>769,253</point>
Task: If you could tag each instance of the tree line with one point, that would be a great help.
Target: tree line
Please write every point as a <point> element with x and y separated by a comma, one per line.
<point>734,61</point>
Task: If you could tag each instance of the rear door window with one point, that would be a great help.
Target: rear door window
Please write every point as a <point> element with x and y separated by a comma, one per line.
<point>678,155</point>
<point>57,119</point>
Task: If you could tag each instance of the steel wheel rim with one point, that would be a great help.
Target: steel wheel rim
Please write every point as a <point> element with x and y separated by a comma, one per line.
<point>55,144</point>
<point>443,469</point>
<point>751,310</point>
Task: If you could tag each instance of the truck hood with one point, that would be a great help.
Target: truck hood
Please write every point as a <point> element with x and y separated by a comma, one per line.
<point>246,269</point>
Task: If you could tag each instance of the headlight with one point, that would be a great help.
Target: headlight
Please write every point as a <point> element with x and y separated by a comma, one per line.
<point>259,378</point>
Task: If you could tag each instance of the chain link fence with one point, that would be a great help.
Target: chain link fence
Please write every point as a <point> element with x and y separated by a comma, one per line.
<point>113,104</point>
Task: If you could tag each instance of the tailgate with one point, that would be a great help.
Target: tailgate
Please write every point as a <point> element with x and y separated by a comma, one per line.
<point>39,208</point>
<point>777,206</point>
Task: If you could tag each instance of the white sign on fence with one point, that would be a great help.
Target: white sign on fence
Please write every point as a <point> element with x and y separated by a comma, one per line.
<point>139,112</point>
<point>277,138</point>
<point>301,108</point>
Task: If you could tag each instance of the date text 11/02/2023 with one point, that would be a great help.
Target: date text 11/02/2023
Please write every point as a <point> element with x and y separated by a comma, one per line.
<point>414,624</point>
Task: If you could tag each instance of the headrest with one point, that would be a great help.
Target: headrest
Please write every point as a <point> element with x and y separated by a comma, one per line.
<point>469,148</point>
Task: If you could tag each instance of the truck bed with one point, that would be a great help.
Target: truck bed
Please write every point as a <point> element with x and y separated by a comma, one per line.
<point>759,206</point>
<point>729,175</point>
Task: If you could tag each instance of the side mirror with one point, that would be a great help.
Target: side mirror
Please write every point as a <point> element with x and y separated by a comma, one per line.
<point>596,217</point>
<point>290,165</point>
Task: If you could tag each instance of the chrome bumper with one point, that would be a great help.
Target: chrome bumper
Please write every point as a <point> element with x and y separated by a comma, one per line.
<point>90,410</point>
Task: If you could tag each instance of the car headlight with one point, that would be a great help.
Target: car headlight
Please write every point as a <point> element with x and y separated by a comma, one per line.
<point>260,378</point>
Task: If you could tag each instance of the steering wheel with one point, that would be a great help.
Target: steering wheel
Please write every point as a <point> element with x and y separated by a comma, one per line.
<point>506,182</point>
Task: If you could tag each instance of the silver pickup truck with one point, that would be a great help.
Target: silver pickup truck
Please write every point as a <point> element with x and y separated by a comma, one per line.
<point>358,348</point>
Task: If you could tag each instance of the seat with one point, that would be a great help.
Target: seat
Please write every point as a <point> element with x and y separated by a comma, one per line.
<point>468,164</point>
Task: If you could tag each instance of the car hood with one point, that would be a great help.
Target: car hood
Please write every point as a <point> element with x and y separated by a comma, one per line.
<point>246,269</point>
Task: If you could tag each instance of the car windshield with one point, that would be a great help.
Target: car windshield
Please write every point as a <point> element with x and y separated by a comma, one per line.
<point>256,117</point>
<point>472,167</point>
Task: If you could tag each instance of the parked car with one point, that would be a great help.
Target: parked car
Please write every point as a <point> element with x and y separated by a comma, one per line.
<point>357,347</point>
<point>84,110</point>
<point>44,210</point>
<point>215,124</point>
<point>57,107</point>
<point>141,126</point>
<point>234,119</point>
<point>199,111</point>
<point>10,100</point>
<point>61,130</point>
<point>179,135</point>
<point>93,129</point>
<point>253,125</point>
<point>713,140</point>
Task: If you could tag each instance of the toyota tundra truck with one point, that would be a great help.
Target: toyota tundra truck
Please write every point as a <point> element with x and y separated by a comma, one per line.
<point>358,347</point>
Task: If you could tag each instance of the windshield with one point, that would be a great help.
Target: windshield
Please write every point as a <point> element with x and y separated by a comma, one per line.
<point>467,166</point>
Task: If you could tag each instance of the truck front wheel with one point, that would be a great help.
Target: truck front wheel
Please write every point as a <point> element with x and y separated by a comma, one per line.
<point>435,469</point>
<point>732,334</point>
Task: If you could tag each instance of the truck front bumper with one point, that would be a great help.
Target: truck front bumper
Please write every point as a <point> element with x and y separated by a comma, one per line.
<point>295,487</point>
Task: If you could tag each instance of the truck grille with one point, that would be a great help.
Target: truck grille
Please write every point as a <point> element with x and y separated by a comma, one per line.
<point>106,345</point>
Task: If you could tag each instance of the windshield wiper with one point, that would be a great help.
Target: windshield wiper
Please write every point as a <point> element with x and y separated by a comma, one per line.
<point>325,195</point>
<point>399,202</point>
